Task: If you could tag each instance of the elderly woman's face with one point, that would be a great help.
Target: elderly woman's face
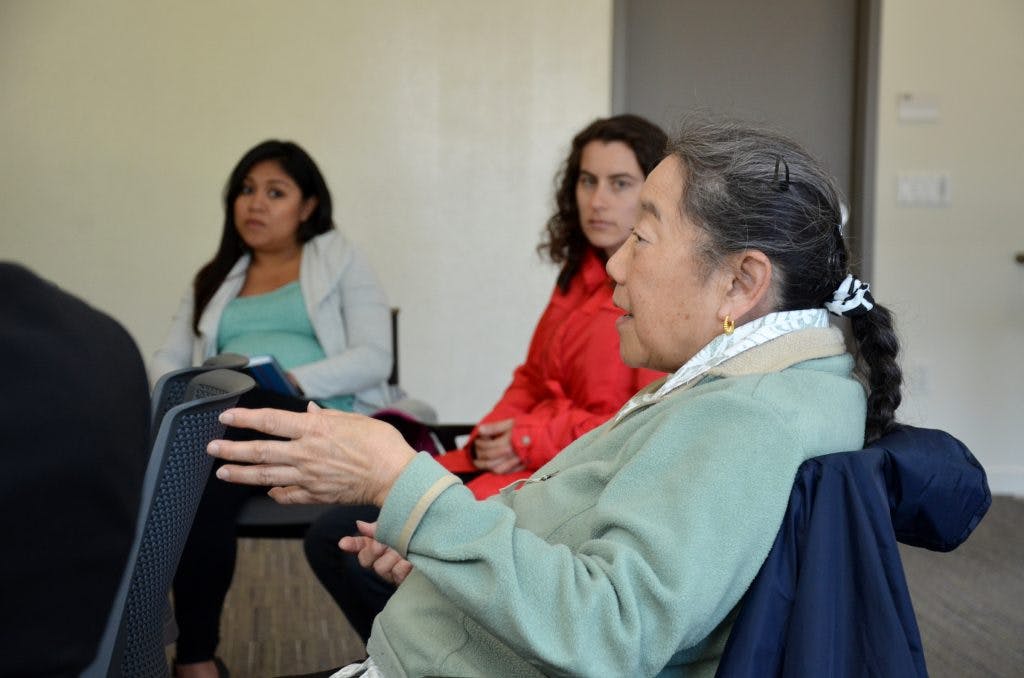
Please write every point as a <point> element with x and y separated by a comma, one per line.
<point>671,303</point>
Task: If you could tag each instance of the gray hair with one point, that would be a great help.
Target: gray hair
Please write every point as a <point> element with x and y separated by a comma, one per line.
<point>751,188</point>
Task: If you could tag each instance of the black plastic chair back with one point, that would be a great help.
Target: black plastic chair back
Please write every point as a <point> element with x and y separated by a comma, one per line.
<point>169,389</point>
<point>132,643</point>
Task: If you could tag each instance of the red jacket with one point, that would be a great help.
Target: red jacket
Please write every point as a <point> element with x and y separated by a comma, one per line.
<point>572,381</point>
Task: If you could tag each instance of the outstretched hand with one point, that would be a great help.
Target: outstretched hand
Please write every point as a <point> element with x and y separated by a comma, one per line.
<point>330,457</point>
<point>374,555</point>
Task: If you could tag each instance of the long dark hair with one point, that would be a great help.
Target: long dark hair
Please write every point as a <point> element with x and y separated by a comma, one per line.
<point>748,187</point>
<point>564,241</point>
<point>299,166</point>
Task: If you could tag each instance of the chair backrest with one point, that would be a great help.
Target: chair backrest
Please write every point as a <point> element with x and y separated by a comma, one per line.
<point>831,599</point>
<point>169,389</point>
<point>132,641</point>
<point>393,377</point>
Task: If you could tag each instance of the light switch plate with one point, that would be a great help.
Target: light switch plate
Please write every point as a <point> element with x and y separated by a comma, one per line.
<point>923,189</point>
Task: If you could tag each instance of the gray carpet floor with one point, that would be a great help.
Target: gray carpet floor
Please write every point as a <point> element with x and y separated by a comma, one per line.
<point>969,604</point>
<point>277,619</point>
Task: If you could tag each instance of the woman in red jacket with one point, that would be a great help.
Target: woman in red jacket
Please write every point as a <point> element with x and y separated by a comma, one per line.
<point>573,379</point>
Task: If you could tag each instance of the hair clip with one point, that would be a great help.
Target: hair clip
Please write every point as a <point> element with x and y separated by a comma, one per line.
<point>782,184</point>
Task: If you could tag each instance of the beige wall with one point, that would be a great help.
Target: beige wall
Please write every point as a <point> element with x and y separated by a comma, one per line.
<point>438,126</point>
<point>949,272</point>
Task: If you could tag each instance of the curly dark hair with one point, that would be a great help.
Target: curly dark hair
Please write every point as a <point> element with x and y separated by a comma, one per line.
<point>563,241</point>
<point>299,166</point>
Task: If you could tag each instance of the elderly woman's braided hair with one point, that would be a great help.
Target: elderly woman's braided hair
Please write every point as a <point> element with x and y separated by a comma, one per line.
<point>752,188</point>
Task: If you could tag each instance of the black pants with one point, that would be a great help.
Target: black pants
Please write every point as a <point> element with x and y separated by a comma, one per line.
<point>208,562</point>
<point>359,592</point>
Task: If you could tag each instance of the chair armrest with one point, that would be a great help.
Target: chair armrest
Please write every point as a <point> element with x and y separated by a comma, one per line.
<point>448,434</point>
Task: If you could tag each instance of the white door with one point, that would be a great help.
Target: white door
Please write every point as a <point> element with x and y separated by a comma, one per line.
<point>950,270</point>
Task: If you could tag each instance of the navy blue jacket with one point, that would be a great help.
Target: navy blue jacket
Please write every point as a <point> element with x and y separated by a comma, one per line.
<point>831,598</point>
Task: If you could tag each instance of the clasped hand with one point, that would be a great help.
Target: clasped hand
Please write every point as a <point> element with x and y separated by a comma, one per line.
<point>493,448</point>
<point>330,457</point>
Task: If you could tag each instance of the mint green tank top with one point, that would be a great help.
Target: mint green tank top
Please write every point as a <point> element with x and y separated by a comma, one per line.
<point>275,323</point>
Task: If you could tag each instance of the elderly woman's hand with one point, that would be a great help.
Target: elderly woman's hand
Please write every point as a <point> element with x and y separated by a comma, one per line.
<point>331,457</point>
<point>374,555</point>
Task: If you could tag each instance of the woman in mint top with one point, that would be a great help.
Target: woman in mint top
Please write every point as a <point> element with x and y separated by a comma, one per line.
<point>283,282</point>
<point>628,553</point>
<point>275,323</point>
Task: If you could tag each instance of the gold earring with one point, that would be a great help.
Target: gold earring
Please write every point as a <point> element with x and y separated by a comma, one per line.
<point>728,326</point>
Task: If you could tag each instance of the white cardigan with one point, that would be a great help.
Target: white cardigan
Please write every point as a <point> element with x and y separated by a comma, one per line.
<point>346,306</point>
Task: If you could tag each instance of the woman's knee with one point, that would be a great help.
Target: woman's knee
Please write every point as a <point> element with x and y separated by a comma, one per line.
<point>322,537</point>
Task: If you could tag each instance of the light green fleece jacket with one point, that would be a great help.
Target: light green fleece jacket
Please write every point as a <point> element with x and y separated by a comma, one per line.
<point>625,555</point>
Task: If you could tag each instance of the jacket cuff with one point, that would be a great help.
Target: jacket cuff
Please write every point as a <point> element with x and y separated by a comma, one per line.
<point>421,482</point>
<point>525,441</point>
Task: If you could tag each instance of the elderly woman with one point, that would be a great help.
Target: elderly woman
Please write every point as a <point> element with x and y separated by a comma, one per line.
<point>628,552</point>
<point>572,379</point>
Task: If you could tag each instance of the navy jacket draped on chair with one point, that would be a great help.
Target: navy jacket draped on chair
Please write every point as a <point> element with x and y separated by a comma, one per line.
<point>831,599</point>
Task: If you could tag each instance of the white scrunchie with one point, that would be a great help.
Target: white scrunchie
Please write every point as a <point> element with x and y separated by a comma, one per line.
<point>852,298</point>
